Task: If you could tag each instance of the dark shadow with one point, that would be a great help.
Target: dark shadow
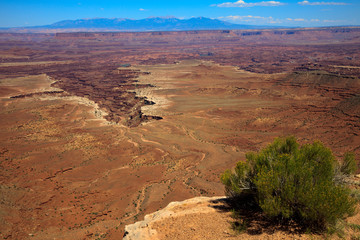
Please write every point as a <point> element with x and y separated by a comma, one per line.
<point>248,217</point>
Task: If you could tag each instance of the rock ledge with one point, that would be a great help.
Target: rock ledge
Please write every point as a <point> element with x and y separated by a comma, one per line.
<point>144,229</point>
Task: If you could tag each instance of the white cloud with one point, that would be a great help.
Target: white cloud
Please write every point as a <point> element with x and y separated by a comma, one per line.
<point>142,9</point>
<point>251,18</point>
<point>242,3</point>
<point>244,17</point>
<point>259,20</point>
<point>301,20</point>
<point>321,3</point>
<point>296,20</point>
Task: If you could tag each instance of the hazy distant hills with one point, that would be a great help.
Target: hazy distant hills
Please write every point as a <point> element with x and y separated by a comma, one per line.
<point>124,24</point>
<point>155,23</point>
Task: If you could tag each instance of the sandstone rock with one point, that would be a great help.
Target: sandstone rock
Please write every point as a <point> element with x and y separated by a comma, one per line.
<point>143,229</point>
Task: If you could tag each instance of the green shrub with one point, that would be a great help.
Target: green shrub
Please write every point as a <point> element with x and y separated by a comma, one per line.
<point>292,182</point>
<point>349,165</point>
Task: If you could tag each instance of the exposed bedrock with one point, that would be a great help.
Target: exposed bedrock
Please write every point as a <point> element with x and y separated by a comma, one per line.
<point>111,88</point>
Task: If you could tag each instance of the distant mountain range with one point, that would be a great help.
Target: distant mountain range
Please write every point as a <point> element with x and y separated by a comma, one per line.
<point>124,24</point>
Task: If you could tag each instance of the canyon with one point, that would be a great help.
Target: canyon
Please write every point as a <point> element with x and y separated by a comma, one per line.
<point>100,129</point>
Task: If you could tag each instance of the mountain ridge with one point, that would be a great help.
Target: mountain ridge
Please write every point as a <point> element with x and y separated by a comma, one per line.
<point>134,25</point>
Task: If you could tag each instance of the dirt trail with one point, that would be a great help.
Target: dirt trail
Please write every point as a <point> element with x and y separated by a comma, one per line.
<point>119,174</point>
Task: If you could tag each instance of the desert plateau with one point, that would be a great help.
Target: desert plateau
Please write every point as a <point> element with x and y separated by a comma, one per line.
<point>99,129</point>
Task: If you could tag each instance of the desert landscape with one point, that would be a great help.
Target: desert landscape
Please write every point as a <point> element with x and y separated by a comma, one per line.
<point>100,129</point>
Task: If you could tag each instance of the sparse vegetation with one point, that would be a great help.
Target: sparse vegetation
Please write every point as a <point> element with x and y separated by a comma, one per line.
<point>355,227</point>
<point>287,182</point>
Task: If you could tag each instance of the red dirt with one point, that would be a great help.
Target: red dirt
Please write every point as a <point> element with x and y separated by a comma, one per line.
<point>68,173</point>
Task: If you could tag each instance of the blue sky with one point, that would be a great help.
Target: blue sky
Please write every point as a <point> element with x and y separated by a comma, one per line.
<point>15,13</point>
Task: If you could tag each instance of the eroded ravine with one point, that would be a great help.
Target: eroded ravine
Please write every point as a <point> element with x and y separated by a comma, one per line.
<point>67,167</point>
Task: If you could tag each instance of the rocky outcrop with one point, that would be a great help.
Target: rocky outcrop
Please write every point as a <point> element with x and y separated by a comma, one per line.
<point>111,88</point>
<point>38,94</point>
<point>335,86</point>
<point>145,229</point>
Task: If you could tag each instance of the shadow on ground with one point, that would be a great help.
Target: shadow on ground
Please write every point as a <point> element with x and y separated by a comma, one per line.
<point>248,217</point>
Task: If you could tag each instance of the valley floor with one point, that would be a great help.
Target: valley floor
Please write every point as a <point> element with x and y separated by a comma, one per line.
<point>67,173</point>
